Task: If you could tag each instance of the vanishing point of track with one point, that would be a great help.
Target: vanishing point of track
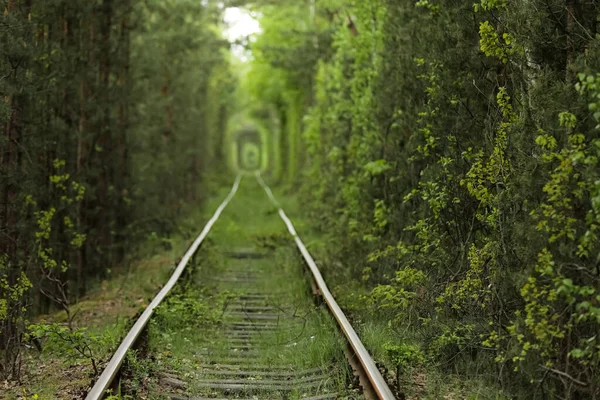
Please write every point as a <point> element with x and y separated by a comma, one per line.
<point>257,315</point>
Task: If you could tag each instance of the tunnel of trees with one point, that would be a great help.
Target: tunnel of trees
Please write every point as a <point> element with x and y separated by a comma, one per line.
<point>249,149</point>
<point>448,152</point>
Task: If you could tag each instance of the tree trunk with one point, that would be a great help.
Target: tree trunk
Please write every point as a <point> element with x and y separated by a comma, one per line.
<point>570,4</point>
<point>105,139</point>
<point>122,150</point>
<point>10,165</point>
<point>168,108</point>
<point>81,276</point>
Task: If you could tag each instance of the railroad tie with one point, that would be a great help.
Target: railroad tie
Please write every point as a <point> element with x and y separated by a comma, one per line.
<point>256,320</point>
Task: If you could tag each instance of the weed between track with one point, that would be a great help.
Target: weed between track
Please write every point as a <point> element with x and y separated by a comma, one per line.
<point>248,252</point>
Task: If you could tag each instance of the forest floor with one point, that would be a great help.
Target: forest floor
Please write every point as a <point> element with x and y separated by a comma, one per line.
<point>108,309</point>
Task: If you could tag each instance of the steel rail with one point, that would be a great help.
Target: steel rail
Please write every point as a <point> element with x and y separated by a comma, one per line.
<point>379,384</point>
<point>112,368</point>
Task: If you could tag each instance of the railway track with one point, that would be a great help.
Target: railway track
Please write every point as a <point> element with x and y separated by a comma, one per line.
<point>280,333</point>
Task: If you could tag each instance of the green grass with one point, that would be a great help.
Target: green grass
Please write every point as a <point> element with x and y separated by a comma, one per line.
<point>308,336</point>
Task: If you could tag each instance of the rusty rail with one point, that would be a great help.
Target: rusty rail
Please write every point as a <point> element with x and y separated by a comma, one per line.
<point>375,378</point>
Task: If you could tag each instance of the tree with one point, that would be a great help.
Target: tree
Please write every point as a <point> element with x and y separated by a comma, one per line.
<point>448,156</point>
<point>81,84</point>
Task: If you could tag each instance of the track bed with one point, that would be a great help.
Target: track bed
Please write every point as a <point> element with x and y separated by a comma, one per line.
<point>269,341</point>
<point>246,316</point>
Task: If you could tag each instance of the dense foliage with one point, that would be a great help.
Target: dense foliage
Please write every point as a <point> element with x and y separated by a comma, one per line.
<point>450,150</point>
<point>108,109</point>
